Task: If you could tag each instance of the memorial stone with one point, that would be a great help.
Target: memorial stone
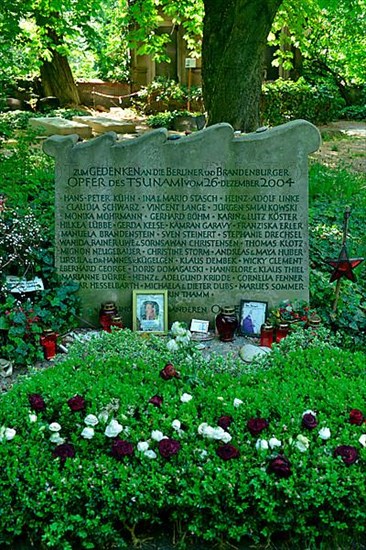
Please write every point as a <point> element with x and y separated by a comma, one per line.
<point>212,217</point>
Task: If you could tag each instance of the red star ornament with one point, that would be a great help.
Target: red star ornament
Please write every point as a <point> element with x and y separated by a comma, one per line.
<point>344,266</point>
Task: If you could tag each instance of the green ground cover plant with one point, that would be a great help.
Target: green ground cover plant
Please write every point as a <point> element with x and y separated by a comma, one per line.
<point>125,434</point>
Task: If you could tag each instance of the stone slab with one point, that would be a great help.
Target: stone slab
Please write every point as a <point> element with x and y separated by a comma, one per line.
<point>101,125</point>
<point>213,217</point>
<point>50,126</point>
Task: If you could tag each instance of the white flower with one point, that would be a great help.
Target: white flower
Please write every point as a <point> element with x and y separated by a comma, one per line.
<point>113,428</point>
<point>302,443</point>
<point>142,446</point>
<point>362,440</point>
<point>176,425</point>
<point>261,445</point>
<point>91,420</point>
<point>54,427</point>
<point>205,430</point>
<point>55,438</point>
<point>184,339</point>
<point>150,454</point>
<point>9,434</point>
<point>309,412</point>
<point>87,433</point>
<point>274,442</point>
<point>226,437</point>
<point>203,453</point>
<point>32,417</point>
<point>157,435</point>
<point>103,416</point>
<point>186,397</point>
<point>324,433</point>
<point>237,402</point>
<point>177,329</point>
<point>172,346</point>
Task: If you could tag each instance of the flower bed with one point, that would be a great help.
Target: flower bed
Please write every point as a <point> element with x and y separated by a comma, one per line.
<point>125,433</point>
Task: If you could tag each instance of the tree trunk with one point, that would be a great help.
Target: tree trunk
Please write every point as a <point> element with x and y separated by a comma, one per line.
<point>57,80</point>
<point>234,41</point>
<point>56,75</point>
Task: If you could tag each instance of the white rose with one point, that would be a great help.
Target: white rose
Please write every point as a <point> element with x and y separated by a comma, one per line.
<point>113,428</point>
<point>55,438</point>
<point>172,346</point>
<point>207,431</point>
<point>186,397</point>
<point>261,445</point>
<point>237,402</point>
<point>142,446</point>
<point>302,443</point>
<point>217,432</point>
<point>91,420</point>
<point>177,329</point>
<point>9,434</point>
<point>202,427</point>
<point>324,433</point>
<point>226,437</point>
<point>157,435</point>
<point>184,339</point>
<point>362,440</point>
<point>54,427</point>
<point>87,433</point>
<point>274,442</point>
<point>32,417</point>
<point>150,454</point>
<point>176,425</point>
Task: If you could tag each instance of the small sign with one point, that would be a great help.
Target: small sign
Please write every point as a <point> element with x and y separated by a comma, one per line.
<point>190,63</point>
<point>17,285</point>
<point>199,326</point>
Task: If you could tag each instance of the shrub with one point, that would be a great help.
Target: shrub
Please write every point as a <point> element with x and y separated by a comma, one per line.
<point>285,100</point>
<point>167,95</point>
<point>84,465</point>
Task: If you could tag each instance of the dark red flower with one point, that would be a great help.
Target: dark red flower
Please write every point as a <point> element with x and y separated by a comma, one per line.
<point>257,425</point>
<point>169,372</point>
<point>225,421</point>
<point>169,447</point>
<point>356,417</point>
<point>64,451</point>
<point>36,401</point>
<point>348,454</point>
<point>280,466</point>
<point>156,400</point>
<point>227,452</point>
<point>309,421</point>
<point>121,448</point>
<point>76,403</point>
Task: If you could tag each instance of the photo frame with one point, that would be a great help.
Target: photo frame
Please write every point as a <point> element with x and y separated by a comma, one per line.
<point>150,311</point>
<point>253,315</point>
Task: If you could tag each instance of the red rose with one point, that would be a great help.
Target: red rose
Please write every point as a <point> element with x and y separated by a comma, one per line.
<point>156,400</point>
<point>64,451</point>
<point>280,466</point>
<point>227,452</point>
<point>225,421</point>
<point>36,401</point>
<point>168,447</point>
<point>121,448</point>
<point>169,372</point>
<point>356,417</point>
<point>76,403</point>
<point>309,421</point>
<point>257,425</point>
<point>348,454</point>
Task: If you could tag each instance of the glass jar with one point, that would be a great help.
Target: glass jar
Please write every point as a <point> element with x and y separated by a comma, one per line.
<point>267,335</point>
<point>282,332</point>
<point>48,341</point>
<point>227,323</point>
<point>107,311</point>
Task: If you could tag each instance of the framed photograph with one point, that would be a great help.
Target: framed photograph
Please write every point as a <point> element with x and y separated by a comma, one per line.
<point>252,316</point>
<point>150,311</point>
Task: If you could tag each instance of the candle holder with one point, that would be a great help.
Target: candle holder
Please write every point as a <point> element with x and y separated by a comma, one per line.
<point>48,342</point>
<point>106,313</point>
<point>267,335</point>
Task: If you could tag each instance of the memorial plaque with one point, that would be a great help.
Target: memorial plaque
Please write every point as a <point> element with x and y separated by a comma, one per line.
<point>211,217</point>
